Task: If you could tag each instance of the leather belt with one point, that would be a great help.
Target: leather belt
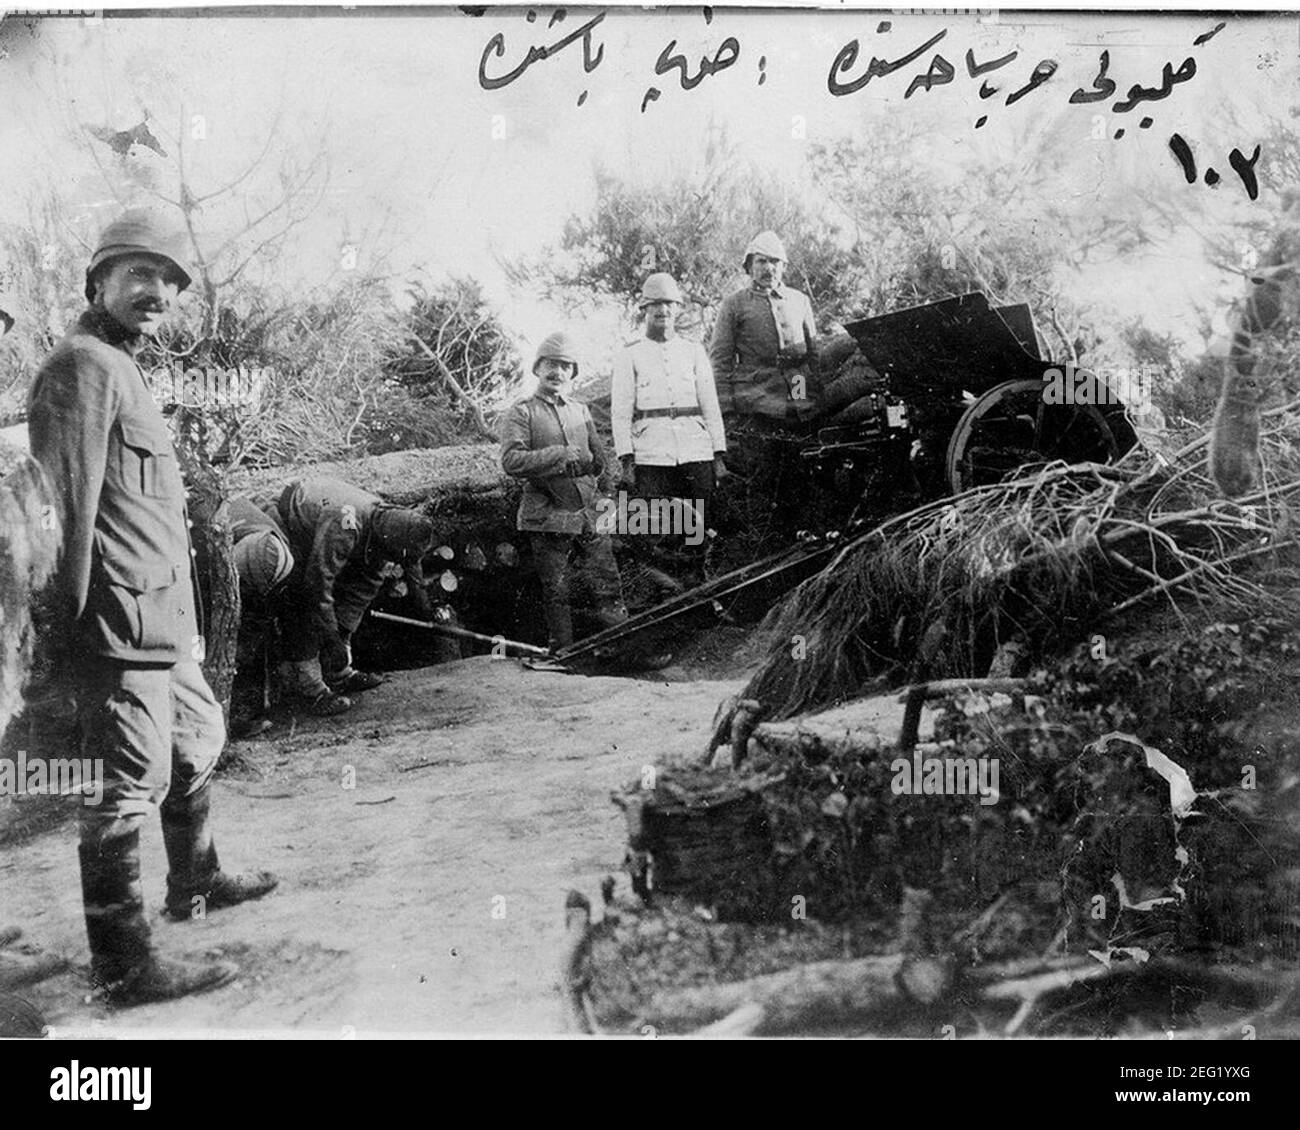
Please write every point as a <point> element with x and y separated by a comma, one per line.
<point>670,413</point>
<point>745,374</point>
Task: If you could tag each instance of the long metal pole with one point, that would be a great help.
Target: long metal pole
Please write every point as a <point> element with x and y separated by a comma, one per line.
<point>689,601</point>
<point>466,634</point>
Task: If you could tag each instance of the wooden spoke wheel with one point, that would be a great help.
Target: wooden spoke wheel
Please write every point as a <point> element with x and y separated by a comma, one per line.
<point>1010,426</point>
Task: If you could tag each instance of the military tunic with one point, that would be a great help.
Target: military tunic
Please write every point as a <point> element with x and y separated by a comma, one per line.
<point>124,595</point>
<point>558,507</point>
<point>761,336</point>
<point>665,375</point>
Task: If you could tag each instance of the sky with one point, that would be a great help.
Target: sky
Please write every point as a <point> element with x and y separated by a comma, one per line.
<point>438,173</point>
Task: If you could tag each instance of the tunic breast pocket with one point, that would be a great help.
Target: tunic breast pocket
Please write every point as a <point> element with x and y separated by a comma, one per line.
<point>649,393</point>
<point>138,606</point>
<point>147,461</point>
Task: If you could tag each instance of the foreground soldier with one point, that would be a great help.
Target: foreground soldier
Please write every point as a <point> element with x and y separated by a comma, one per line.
<point>125,626</point>
<point>664,413</point>
<point>549,441</point>
<point>343,540</point>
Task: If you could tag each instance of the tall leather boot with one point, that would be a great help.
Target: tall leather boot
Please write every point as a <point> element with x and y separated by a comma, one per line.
<point>559,625</point>
<point>124,965</point>
<point>195,881</point>
<point>551,559</point>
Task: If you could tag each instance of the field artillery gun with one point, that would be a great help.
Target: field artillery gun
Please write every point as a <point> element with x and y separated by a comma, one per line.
<point>957,394</point>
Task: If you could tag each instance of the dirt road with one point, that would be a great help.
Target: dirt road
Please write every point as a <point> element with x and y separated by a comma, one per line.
<point>424,844</point>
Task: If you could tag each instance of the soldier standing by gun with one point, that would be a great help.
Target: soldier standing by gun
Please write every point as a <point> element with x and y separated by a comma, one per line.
<point>764,341</point>
<point>668,430</point>
<point>550,441</point>
<point>764,353</point>
<point>125,626</point>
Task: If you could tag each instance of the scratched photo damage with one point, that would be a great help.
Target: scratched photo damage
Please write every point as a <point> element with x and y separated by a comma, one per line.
<point>785,517</point>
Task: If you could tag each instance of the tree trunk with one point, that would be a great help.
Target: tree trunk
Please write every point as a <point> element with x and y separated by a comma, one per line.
<point>818,992</point>
<point>28,543</point>
<point>214,560</point>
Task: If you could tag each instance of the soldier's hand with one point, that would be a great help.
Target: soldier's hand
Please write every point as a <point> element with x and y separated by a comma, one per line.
<point>719,468</point>
<point>628,476</point>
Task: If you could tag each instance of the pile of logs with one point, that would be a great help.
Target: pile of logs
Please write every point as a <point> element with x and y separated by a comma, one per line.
<point>924,988</point>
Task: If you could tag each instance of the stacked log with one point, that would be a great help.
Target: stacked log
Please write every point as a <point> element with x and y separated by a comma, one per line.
<point>439,480</point>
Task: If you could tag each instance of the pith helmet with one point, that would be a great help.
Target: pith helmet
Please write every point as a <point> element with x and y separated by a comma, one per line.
<point>558,346</point>
<point>660,288</point>
<point>765,243</point>
<point>140,231</point>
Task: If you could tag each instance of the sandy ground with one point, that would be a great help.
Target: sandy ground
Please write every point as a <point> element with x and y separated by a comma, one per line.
<point>428,897</point>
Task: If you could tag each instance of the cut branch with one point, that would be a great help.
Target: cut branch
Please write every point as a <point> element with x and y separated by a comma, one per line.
<point>464,397</point>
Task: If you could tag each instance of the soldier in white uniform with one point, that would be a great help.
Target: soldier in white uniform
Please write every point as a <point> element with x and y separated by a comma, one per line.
<point>667,426</point>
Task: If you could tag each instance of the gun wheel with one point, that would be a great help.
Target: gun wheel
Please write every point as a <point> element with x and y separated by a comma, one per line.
<point>1010,426</point>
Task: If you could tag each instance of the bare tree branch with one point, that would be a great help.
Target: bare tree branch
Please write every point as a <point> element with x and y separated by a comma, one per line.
<point>475,411</point>
<point>248,172</point>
